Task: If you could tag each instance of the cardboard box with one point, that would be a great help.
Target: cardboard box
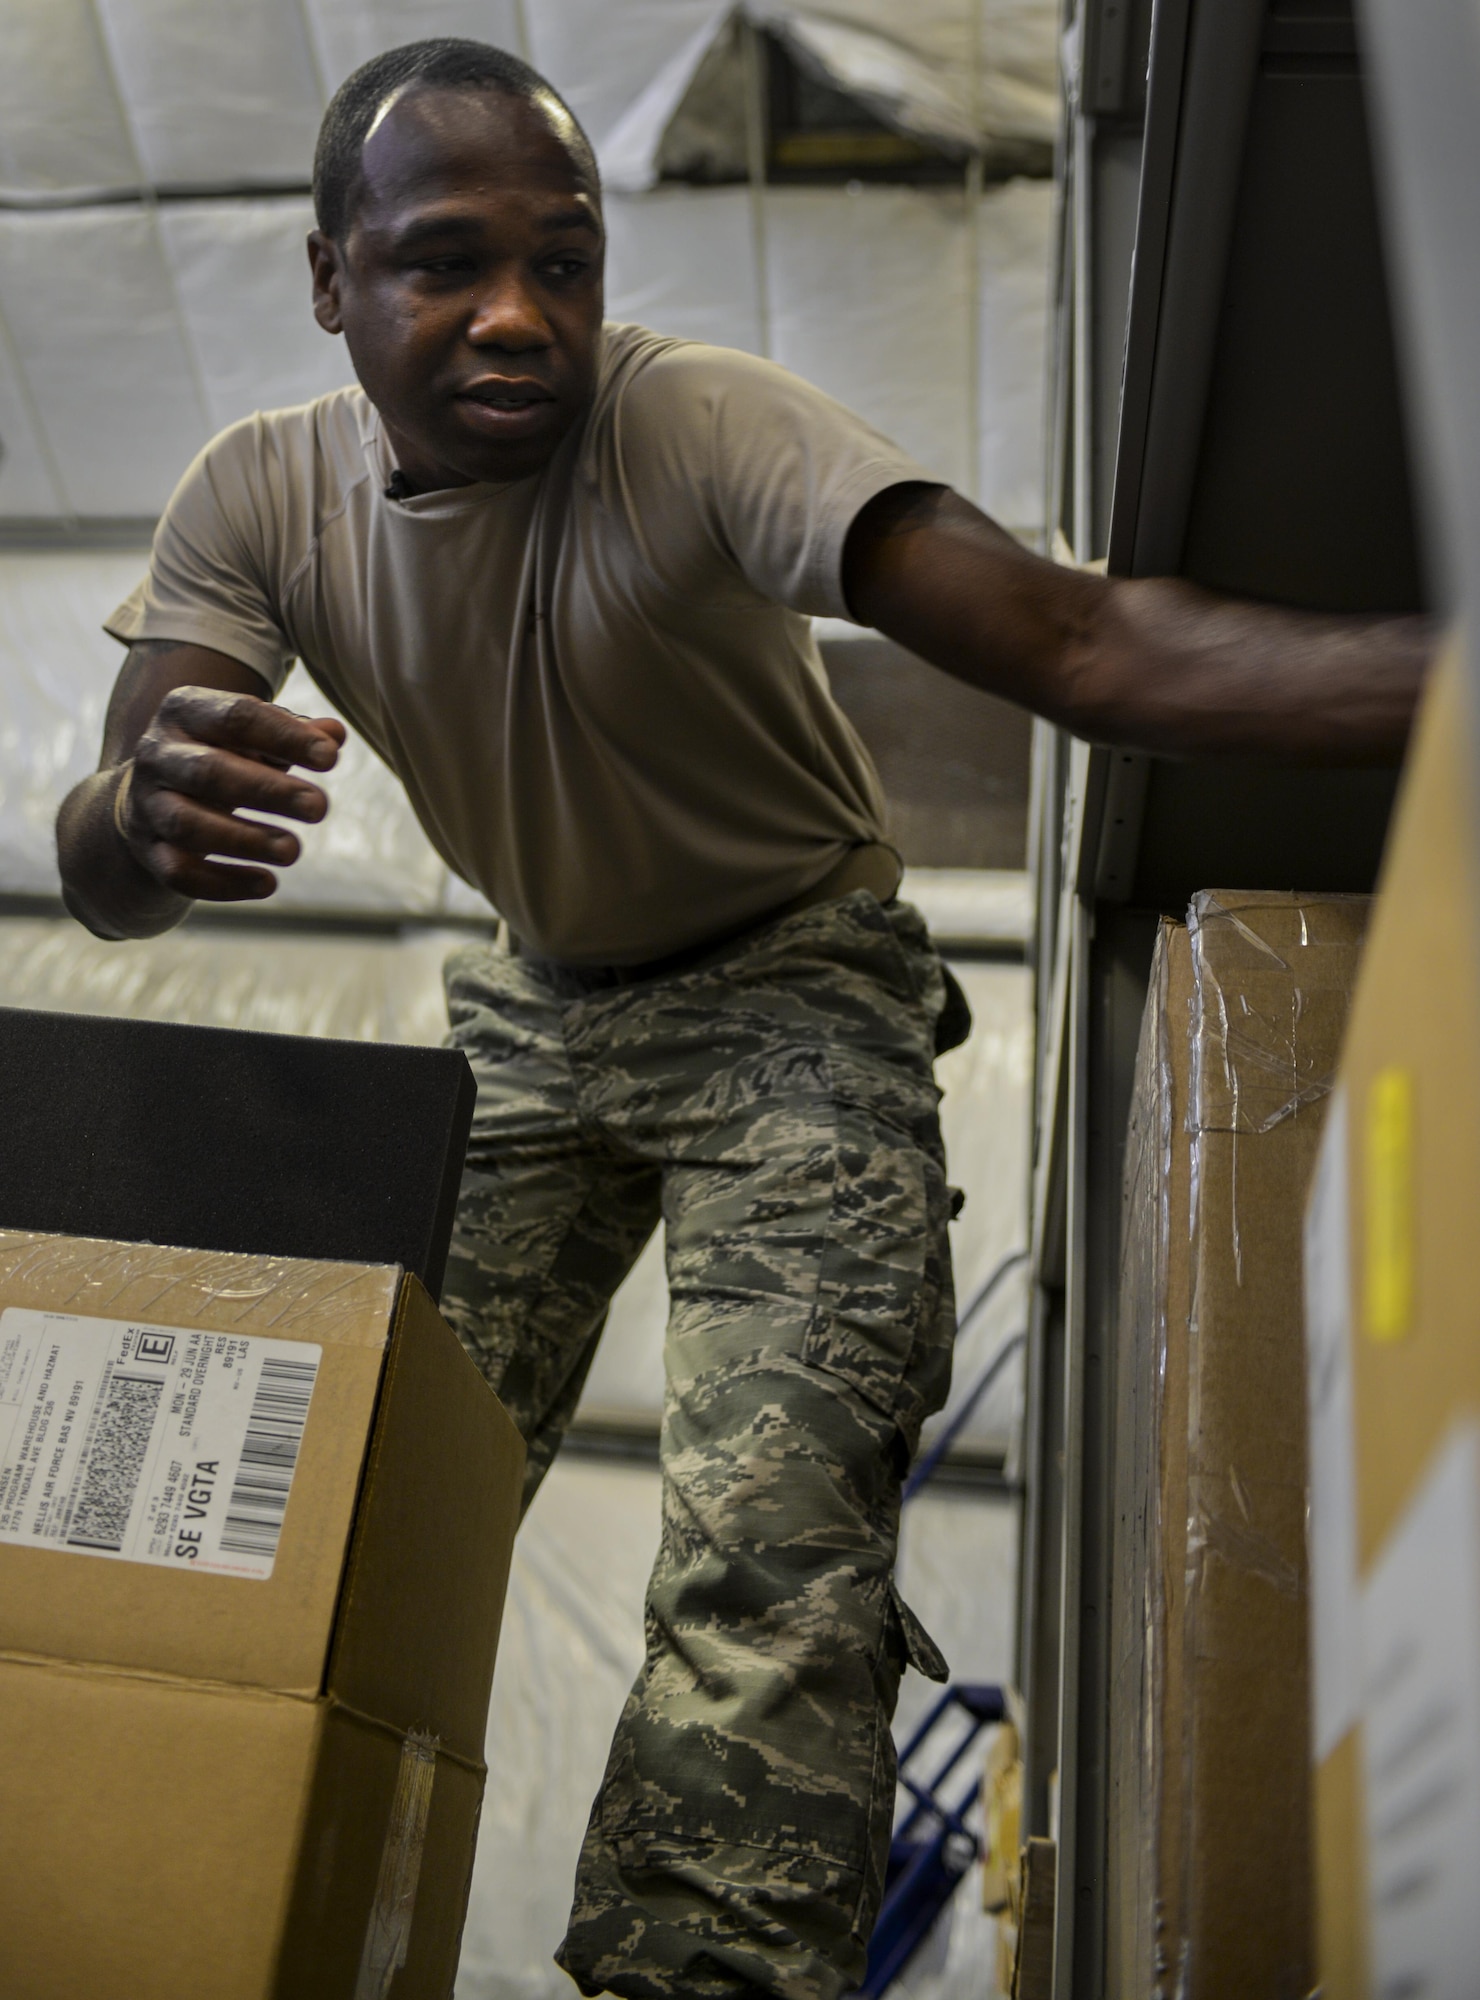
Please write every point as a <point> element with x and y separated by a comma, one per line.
<point>1393,1331</point>
<point>1032,1965</point>
<point>255,1524</point>
<point>1209,1826</point>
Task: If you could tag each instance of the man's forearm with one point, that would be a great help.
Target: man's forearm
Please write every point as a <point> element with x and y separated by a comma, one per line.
<point>1161,665</point>
<point>102,884</point>
<point>1153,663</point>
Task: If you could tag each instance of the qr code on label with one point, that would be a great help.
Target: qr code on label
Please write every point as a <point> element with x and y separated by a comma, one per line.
<point>115,1460</point>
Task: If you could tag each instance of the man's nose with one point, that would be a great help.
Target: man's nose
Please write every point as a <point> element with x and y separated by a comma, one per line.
<point>507,314</point>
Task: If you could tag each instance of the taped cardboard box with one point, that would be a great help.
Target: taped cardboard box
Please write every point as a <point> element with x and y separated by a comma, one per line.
<point>256,1517</point>
<point>1393,1334</point>
<point>1209,1822</point>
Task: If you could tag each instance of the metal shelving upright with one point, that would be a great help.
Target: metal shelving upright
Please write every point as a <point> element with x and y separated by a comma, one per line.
<point>1225,407</point>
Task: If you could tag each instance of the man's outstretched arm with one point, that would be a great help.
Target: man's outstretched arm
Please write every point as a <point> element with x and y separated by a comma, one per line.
<point>190,739</point>
<point>1154,663</point>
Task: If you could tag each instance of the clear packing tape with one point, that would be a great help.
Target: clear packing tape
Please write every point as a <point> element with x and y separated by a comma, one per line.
<point>227,1291</point>
<point>388,1934</point>
<point>1209,1838</point>
<point>1147,1576</point>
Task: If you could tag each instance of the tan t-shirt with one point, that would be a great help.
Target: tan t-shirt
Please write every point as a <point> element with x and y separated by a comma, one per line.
<point>599,684</point>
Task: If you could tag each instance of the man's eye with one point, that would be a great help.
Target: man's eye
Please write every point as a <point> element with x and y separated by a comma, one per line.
<point>443,267</point>
<point>566,267</point>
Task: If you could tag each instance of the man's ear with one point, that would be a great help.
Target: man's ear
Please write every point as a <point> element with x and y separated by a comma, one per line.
<point>325,260</point>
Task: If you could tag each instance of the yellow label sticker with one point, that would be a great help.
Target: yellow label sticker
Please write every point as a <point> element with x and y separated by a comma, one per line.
<point>1387,1305</point>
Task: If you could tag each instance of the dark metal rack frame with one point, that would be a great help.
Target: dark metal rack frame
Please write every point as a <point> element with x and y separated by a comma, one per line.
<point>1224,406</point>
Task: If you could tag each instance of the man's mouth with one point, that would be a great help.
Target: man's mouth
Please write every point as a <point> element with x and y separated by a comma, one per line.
<point>504,394</point>
<point>505,409</point>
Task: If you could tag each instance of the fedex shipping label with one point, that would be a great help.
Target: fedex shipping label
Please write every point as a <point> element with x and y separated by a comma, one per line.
<point>154,1444</point>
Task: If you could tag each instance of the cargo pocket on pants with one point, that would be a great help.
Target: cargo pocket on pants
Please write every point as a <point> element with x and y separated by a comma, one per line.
<point>875,1268</point>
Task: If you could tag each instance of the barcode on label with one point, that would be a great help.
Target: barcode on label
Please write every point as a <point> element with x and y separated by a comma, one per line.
<point>118,1447</point>
<point>259,1499</point>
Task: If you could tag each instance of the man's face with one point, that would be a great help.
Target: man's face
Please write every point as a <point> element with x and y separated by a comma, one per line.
<point>469,284</point>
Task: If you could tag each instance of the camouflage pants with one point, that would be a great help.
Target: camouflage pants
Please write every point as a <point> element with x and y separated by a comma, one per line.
<point>776,1106</point>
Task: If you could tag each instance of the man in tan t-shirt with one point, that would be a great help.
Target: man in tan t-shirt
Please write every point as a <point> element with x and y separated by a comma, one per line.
<point>560,575</point>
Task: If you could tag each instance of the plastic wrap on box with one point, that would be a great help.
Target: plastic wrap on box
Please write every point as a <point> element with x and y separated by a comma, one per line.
<point>291,1297</point>
<point>1209,1856</point>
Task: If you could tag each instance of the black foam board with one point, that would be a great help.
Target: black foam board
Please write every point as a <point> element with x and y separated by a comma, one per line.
<point>216,1139</point>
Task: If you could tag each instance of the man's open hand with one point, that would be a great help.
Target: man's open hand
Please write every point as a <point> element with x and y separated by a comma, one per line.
<point>206,757</point>
<point>190,746</point>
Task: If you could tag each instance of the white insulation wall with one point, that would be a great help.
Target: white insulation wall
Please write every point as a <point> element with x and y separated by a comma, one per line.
<point>130,335</point>
<point>102,95</point>
<point>135,323</point>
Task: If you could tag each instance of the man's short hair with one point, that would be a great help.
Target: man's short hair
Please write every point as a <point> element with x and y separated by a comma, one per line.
<point>446,62</point>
